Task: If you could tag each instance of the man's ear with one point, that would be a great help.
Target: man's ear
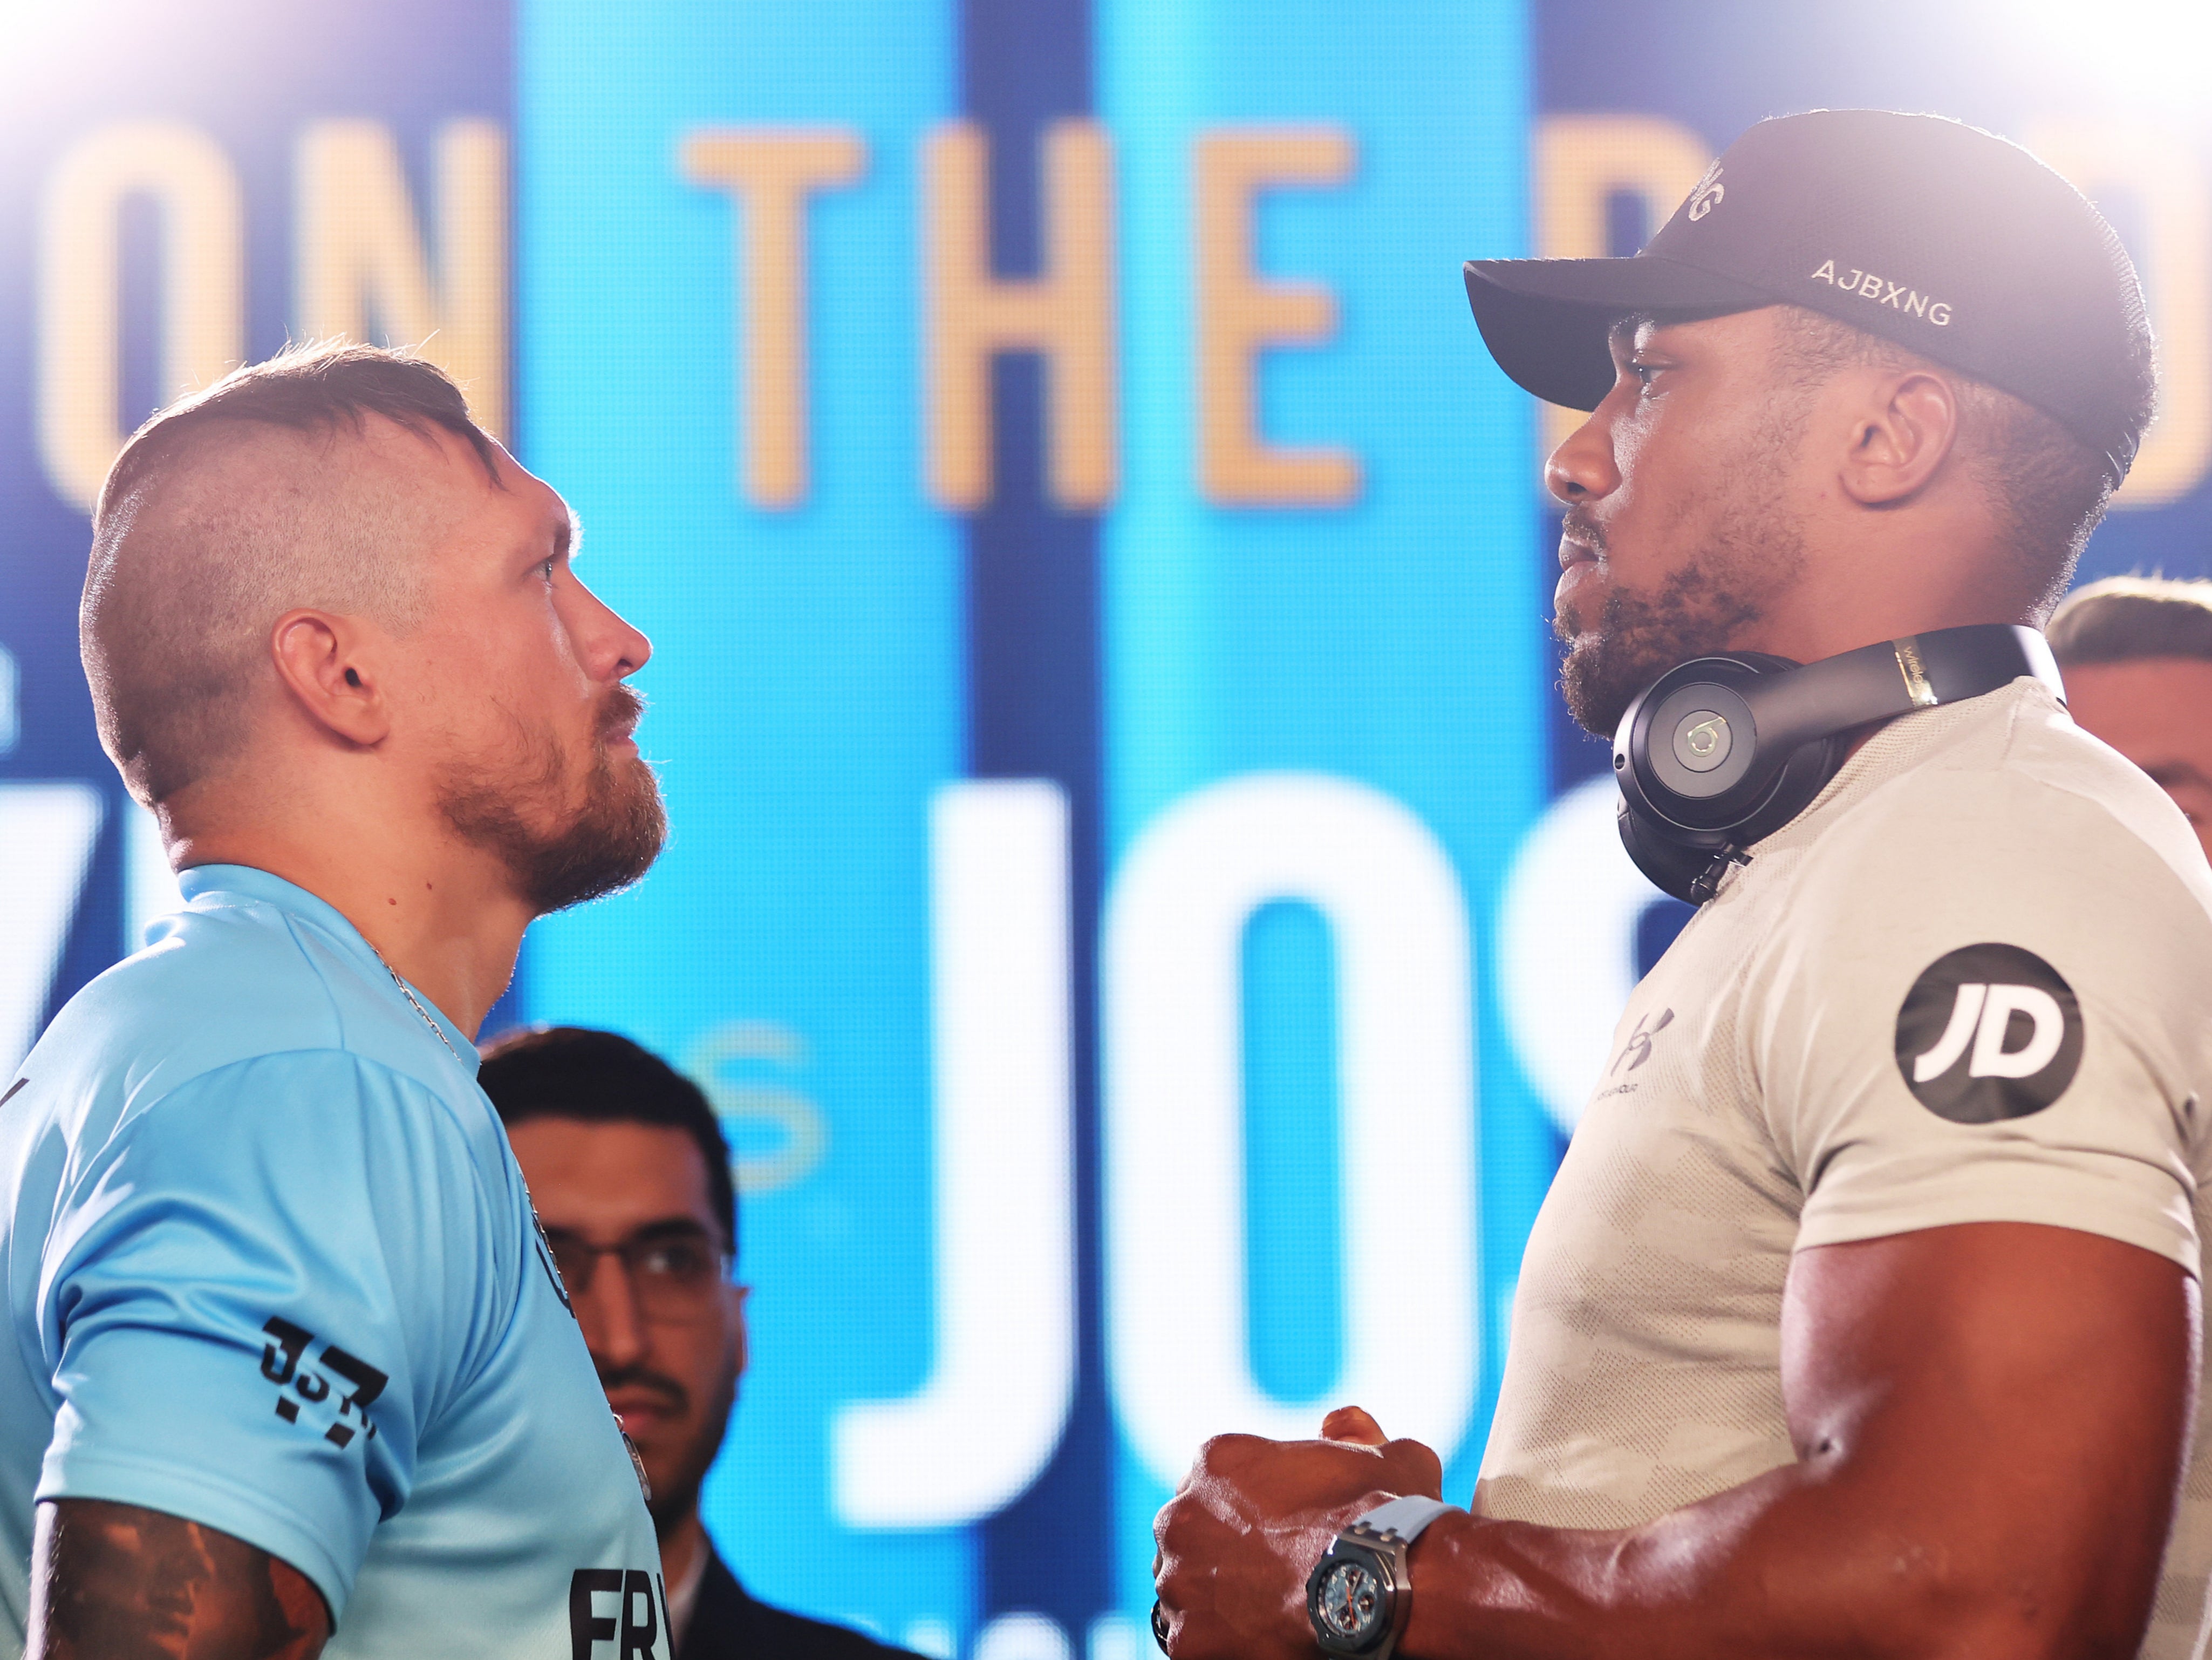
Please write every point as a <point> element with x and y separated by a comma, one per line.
<point>321,660</point>
<point>1899,437</point>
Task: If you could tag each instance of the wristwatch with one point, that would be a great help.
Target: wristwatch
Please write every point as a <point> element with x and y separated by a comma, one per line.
<point>1359,1594</point>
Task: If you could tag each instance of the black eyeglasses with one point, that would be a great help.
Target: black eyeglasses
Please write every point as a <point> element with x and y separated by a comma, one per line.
<point>673,1272</point>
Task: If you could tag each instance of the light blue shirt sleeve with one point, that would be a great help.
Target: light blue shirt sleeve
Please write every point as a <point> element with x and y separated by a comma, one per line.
<point>258,1292</point>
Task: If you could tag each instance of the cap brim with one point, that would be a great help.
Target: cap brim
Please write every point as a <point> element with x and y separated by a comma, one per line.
<point>1545,320</point>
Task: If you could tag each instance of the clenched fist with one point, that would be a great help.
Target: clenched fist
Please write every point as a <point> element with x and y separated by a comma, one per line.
<point>1251,1519</point>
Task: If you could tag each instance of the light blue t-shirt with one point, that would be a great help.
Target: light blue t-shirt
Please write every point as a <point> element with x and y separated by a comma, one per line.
<point>270,1267</point>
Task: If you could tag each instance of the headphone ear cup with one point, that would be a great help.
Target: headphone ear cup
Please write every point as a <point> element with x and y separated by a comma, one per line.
<point>1677,862</point>
<point>1665,837</point>
<point>1667,857</point>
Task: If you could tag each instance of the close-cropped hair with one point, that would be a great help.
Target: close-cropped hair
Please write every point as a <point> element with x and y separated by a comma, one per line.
<point>2047,488</point>
<point>232,506</point>
<point>2124,618</point>
<point>320,386</point>
<point>603,1077</point>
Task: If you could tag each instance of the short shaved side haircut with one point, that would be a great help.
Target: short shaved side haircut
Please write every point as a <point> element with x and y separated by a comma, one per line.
<point>2047,488</point>
<point>231,507</point>
<point>2125,619</point>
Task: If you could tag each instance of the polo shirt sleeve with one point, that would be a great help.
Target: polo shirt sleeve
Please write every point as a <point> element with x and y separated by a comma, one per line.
<point>1987,1003</point>
<point>257,1295</point>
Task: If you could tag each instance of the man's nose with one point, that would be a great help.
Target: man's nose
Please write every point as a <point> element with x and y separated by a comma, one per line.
<point>612,647</point>
<point>1582,466</point>
<point>614,1329</point>
<point>633,649</point>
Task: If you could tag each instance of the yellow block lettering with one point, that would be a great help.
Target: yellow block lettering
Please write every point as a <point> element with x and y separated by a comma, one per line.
<point>1066,314</point>
<point>360,252</point>
<point>1240,315</point>
<point>203,288</point>
<point>769,173</point>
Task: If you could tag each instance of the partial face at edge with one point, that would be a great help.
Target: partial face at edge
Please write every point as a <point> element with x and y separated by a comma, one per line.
<point>1684,493</point>
<point>2156,711</point>
<point>670,1383</point>
<point>523,690</point>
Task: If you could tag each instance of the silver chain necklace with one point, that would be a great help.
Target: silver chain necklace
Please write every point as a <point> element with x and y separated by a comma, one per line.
<point>436,1031</point>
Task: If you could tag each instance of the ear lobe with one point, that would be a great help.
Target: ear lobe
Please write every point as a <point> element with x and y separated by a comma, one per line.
<point>318,659</point>
<point>1901,438</point>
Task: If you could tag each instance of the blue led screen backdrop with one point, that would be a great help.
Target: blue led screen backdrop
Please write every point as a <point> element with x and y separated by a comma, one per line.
<point>1131,875</point>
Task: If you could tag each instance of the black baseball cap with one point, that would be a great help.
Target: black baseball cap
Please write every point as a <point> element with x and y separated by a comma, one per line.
<point>1953,242</point>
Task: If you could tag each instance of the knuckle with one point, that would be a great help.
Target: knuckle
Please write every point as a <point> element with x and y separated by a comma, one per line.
<point>1169,1525</point>
<point>1418,1460</point>
<point>1224,1451</point>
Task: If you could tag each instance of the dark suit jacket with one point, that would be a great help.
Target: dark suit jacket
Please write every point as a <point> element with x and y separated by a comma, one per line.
<point>727,1623</point>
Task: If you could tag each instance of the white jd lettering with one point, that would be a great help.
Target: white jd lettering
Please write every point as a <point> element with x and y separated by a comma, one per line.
<point>1982,1015</point>
<point>1883,292</point>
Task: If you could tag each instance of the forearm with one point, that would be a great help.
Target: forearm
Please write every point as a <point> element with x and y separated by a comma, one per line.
<point>1990,1423</point>
<point>1782,1566</point>
<point>116,1582</point>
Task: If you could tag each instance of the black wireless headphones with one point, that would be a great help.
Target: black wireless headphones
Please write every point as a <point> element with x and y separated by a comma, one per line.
<point>1723,751</point>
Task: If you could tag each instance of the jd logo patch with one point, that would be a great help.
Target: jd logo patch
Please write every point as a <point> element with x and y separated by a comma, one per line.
<point>1989,1032</point>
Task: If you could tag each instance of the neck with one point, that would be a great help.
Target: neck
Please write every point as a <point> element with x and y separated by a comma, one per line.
<point>680,1547</point>
<point>441,913</point>
<point>1854,595</point>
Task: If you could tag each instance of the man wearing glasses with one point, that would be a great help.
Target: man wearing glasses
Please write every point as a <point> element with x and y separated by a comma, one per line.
<point>631,1178</point>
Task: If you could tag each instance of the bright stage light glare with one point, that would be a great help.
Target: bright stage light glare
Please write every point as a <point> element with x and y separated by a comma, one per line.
<point>22,19</point>
<point>2150,58</point>
<point>43,39</point>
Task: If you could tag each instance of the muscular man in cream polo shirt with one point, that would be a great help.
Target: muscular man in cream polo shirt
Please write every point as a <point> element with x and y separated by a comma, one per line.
<point>1862,1318</point>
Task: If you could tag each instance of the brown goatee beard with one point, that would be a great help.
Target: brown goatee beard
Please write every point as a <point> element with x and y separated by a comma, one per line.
<point>603,847</point>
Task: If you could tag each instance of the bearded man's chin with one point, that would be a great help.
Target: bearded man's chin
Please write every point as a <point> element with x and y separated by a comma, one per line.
<point>610,846</point>
<point>606,847</point>
<point>1638,641</point>
<point>1590,682</point>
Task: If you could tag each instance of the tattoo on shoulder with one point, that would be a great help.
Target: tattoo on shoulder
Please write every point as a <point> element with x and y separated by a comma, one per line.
<point>122,1583</point>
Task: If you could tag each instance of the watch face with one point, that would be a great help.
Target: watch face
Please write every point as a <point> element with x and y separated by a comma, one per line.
<point>1351,1601</point>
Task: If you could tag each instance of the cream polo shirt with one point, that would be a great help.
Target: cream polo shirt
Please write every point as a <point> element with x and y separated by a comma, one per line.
<point>1972,982</point>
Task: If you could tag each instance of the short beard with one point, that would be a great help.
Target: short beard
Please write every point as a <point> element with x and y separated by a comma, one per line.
<point>1640,636</point>
<point>1752,552</point>
<point>607,844</point>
